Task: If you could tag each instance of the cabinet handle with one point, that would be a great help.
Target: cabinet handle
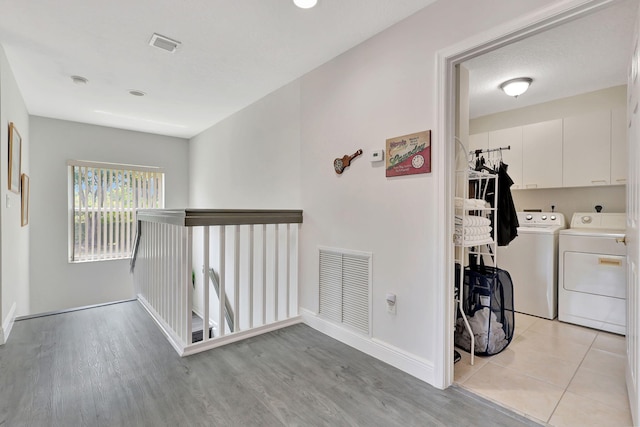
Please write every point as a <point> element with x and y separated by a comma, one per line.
<point>621,180</point>
<point>610,261</point>
<point>531,185</point>
<point>596,181</point>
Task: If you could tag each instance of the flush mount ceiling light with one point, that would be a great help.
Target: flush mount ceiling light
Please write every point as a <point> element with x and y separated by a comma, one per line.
<point>164,43</point>
<point>305,4</point>
<point>135,92</point>
<point>79,80</point>
<point>516,87</point>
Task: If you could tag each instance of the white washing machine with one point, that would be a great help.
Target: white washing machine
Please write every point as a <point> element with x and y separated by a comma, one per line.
<point>532,262</point>
<point>593,272</point>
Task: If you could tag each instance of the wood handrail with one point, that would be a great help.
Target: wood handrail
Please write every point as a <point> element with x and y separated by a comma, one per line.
<point>203,217</point>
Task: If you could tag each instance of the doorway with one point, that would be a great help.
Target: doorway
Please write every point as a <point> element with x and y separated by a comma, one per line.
<point>447,63</point>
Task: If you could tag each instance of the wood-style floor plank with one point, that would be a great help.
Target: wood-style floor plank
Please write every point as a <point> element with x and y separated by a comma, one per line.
<point>111,366</point>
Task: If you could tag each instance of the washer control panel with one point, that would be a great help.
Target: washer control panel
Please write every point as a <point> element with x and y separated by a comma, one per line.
<point>599,220</point>
<point>540,219</point>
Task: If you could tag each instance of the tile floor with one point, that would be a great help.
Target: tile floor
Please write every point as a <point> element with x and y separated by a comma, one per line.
<point>555,373</point>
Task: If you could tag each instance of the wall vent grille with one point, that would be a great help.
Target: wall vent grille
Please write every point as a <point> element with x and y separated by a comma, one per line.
<point>345,287</point>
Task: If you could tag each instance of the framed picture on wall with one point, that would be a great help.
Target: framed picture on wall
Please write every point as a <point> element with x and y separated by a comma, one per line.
<point>409,154</point>
<point>15,155</point>
<point>24,184</point>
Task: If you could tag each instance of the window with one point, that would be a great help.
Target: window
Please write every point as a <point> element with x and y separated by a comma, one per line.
<point>103,199</point>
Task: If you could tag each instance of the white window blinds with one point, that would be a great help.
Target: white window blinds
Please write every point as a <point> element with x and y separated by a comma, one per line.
<point>104,198</point>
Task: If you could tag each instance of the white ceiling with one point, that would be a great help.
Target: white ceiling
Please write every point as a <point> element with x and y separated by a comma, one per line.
<point>581,56</point>
<point>233,52</point>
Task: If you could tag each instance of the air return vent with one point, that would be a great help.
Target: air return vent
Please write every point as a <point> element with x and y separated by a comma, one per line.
<point>165,43</point>
<point>345,287</point>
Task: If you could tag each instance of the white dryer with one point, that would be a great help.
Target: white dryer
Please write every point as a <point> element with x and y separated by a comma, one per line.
<point>532,262</point>
<point>592,272</point>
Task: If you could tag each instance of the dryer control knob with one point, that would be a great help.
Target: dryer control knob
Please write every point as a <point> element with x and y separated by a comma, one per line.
<point>529,217</point>
<point>553,217</point>
<point>544,217</point>
<point>586,219</point>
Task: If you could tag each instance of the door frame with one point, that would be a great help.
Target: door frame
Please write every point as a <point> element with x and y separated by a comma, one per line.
<point>526,26</point>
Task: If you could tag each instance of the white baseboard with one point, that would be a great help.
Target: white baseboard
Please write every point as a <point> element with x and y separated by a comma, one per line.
<point>398,358</point>
<point>173,339</point>
<point>7,324</point>
<point>238,336</point>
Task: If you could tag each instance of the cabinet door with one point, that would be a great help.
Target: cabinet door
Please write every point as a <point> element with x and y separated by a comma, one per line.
<point>619,146</point>
<point>587,150</point>
<point>542,154</point>
<point>510,137</point>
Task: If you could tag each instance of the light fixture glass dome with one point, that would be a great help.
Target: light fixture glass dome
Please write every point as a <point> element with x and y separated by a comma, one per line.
<point>305,4</point>
<point>516,87</point>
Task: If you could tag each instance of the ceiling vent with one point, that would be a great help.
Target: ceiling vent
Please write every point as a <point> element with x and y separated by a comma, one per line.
<point>164,43</point>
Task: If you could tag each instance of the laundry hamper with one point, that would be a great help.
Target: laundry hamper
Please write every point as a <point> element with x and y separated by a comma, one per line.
<point>488,303</point>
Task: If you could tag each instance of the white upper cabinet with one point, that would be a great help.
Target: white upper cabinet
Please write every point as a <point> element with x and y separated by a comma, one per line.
<point>619,146</point>
<point>510,137</point>
<point>542,154</point>
<point>587,150</point>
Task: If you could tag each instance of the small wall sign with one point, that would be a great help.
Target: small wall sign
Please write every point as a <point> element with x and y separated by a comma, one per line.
<point>409,154</point>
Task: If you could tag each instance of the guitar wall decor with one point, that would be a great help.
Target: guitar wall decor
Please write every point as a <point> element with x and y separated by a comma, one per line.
<point>340,164</point>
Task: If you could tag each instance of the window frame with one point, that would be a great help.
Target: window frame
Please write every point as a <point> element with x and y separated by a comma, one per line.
<point>71,208</point>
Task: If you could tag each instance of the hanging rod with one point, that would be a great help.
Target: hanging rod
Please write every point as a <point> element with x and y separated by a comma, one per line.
<point>489,150</point>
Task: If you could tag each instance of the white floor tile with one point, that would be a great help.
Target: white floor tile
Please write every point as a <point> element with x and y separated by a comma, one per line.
<point>515,390</point>
<point>554,372</point>
<point>574,410</point>
<point>611,342</point>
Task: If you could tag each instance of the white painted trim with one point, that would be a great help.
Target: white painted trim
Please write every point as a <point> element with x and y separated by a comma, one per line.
<point>524,26</point>
<point>174,340</point>
<point>239,336</point>
<point>69,310</point>
<point>407,362</point>
<point>7,324</point>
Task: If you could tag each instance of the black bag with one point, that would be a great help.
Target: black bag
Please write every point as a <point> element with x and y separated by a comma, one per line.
<point>487,300</point>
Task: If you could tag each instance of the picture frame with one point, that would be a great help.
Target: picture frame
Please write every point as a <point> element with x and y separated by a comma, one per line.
<point>409,154</point>
<point>24,205</point>
<point>15,158</point>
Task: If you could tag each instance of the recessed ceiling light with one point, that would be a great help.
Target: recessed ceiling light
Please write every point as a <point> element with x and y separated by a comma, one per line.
<point>305,4</point>
<point>79,80</point>
<point>135,92</point>
<point>164,43</point>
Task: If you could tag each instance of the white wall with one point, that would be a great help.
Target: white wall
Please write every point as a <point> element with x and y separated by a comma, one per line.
<point>251,159</point>
<point>14,249</point>
<point>566,200</point>
<point>383,88</point>
<point>57,284</point>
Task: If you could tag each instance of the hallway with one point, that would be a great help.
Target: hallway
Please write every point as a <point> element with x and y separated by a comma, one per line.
<point>111,365</point>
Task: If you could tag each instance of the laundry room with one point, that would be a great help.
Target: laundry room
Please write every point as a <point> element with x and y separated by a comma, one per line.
<point>562,142</point>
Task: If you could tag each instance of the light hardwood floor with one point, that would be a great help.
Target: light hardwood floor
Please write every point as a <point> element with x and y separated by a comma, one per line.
<point>560,374</point>
<point>111,366</point>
